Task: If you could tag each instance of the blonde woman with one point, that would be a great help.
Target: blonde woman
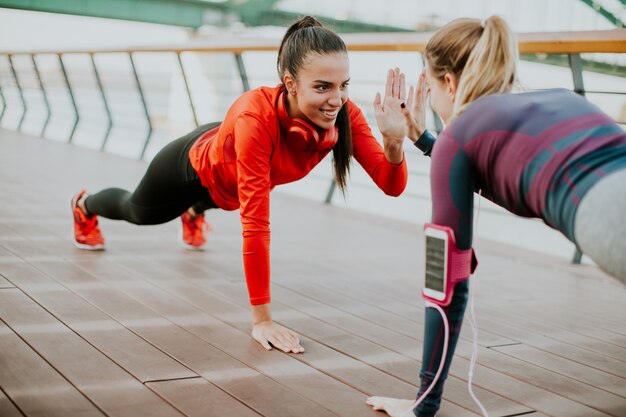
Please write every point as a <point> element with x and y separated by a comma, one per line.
<point>547,154</point>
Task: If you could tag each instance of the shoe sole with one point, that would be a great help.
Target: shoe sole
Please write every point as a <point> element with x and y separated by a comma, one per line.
<point>81,245</point>
<point>89,247</point>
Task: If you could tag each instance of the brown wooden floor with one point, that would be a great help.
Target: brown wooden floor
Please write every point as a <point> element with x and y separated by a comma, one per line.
<point>149,329</point>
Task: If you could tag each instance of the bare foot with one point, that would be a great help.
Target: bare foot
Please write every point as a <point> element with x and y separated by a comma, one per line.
<point>392,406</point>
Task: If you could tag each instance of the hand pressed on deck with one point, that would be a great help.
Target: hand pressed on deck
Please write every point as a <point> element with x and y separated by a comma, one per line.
<point>269,334</point>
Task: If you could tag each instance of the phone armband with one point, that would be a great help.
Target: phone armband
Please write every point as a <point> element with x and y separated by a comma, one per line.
<point>454,265</point>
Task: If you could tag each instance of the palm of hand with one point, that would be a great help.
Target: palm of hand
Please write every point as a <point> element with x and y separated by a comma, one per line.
<point>416,101</point>
<point>391,113</point>
<point>391,120</point>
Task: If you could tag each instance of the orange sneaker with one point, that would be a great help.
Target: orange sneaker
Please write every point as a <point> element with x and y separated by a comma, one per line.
<point>194,230</point>
<point>86,231</point>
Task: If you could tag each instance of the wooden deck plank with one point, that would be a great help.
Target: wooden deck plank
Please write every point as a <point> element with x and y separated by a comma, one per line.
<point>401,305</point>
<point>7,408</point>
<point>527,310</point>
<point>284,369</point>
<point>387,340</point>
<point>598,313</point>
<point>197,397</point>
<point>4,252</point>
<point>132,353</point>
<point>599,291</point>
<point>574,370</point>
<point>35,386</point>
<point>27,249</point>
<point>343,280</point>
<point>543,326</point>
<point>4,283</point>
<point>574,332</point>
<point>511,334</point>
<point>614,382</point>
<point>545,391</point>
<point>107,385</point>
<point>269,399</point>
<point>373,308</point>
<point>577,349</point>
<point>512,377</point>
<point>494,383</point>
<point>577,391</point>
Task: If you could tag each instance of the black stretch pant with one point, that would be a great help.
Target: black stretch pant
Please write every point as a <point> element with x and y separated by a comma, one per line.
<point>169,187</point>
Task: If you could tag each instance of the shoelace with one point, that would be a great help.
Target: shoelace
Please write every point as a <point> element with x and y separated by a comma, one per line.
<point>88,227</point>
<point>92,233</point>
<point>198,224</point>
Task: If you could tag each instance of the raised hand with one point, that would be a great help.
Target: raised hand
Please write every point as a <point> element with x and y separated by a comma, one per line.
<point>392,406</point>
<point>280,337</point>
<point>390,113</point>
<point>415,114</point>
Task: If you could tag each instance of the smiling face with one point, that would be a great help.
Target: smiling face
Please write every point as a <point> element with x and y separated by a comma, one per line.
<point>320,90</point>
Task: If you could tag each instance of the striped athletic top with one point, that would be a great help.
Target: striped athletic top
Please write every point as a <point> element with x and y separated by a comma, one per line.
<point>535,154</point>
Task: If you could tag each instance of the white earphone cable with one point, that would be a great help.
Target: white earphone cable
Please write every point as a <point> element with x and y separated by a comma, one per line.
<point>443,353</point>
<point>473,323</point>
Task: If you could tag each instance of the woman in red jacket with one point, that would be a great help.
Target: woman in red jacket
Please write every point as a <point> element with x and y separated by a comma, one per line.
<point>270,136</point>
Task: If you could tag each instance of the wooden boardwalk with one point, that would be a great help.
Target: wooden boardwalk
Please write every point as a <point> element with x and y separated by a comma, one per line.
<point>149,329</point>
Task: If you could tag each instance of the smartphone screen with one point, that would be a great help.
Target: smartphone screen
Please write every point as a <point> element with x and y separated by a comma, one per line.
<point>435,263</point>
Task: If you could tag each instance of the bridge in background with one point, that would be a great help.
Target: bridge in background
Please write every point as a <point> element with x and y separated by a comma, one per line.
<point>195,13</point>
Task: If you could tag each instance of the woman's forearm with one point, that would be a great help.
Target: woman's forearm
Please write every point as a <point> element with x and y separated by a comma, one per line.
<point>261,313</point>
<point>393,151</point>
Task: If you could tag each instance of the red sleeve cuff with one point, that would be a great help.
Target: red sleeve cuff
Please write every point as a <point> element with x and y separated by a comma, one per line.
<point>259,301</point>
<point>394,177</point>
<point>256,265</point>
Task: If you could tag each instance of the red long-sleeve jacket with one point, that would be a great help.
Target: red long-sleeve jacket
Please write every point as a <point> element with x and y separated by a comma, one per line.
<point>248,155</point>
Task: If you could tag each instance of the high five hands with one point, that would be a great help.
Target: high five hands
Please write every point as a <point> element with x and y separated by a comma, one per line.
<point>398,115</point>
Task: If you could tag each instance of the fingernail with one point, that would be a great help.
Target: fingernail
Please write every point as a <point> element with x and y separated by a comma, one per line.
<point>402,105</point>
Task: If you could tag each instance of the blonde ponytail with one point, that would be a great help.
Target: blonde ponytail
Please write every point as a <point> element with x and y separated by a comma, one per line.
<point>491,66</point>
<point>481,55</point>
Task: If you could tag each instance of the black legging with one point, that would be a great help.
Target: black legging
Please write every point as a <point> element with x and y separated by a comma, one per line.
<point>169,187</point>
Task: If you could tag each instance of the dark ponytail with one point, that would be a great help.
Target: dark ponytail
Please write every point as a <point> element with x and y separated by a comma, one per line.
<point>307,35</point>
<point>342,151</point>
